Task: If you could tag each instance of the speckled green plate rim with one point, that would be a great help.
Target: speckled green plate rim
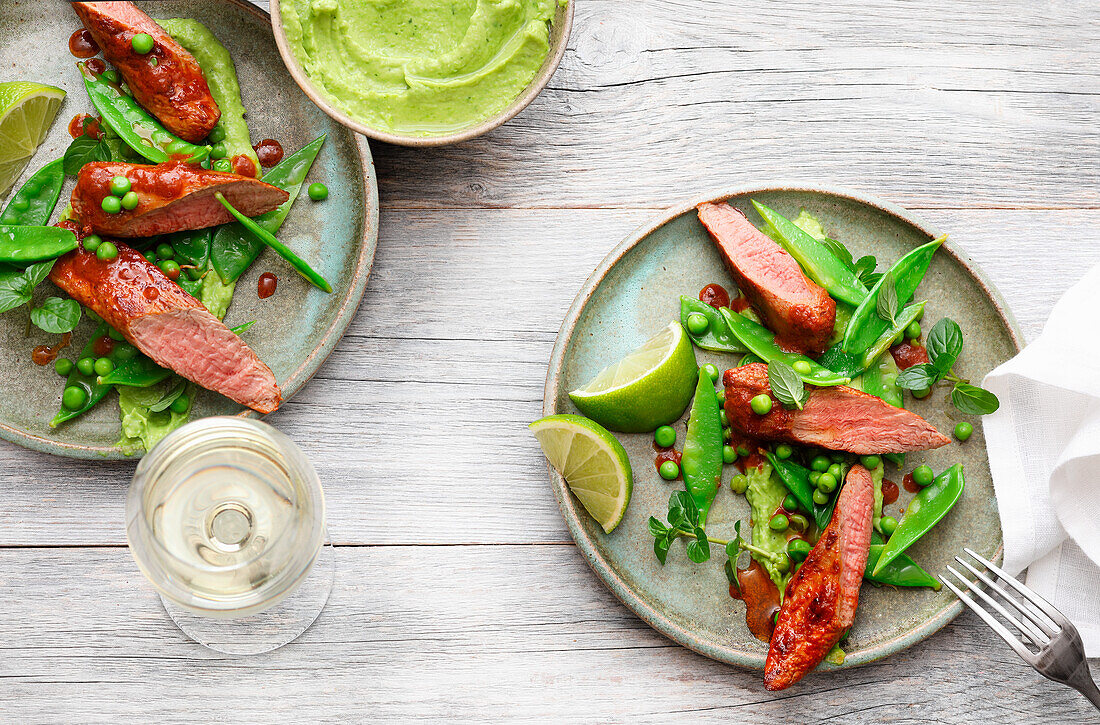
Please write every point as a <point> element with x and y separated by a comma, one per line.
<point>312,362</point>
<point>572,512</point>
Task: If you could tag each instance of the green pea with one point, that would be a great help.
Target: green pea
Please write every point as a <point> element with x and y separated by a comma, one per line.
<point>739,483</point>
<point>870,462</point>
<point>827,483</point>
<point>92,242</point>
<point>782,565</point>
<point>111,76</point>
<point>150,256</point>
<point>74,397</point>
<point>712,371</point>
<point>218,151</point>
<point>317,191</point>
<point>963,430</point>
<point>697,324</point>
<point>727,434</point>
<point>761,404</point>
<point>124,351</point>
<point>103,367</point>
<point>779,522</point>
<point>790,503</point>
<point>798,549</point>
<point>107,251</point>
<point>820,497</point>
<point>165,251</point>
<point>63,366</point>
<point>669,470</point>
<point>722,416</point>
<point>835,471</point>
<point>802,367</point>
<point>115,335</point>
<point>130,200</point>
<point>799,522</point>
<point>181,404</point>
<point>922,394</point>
<point>783,451</point>
<point>142,43</point>
<point>820,463</point>
<point>217,135</point>
<point>743,451</point>
<point>111,204</point>
<point>223,165</point>
<point>32,187</point>
<point>721,396</point>
<point>665,436</point>
<point>889,525</point>
<point>815,476</point>
<point>120,185</point>
<point>923,475</point>
<point>729,454</point>
<point>171,269</point>
<point>913,330</point>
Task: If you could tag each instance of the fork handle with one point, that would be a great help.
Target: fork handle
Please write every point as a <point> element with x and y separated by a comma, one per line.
<point>1083,683</point>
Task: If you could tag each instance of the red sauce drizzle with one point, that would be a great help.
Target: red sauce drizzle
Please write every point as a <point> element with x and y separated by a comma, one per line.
<point>82,45</point>
<point>909,484</point>
<point>97,66</point>
<point>740,303</point>
<point>103,346</point>
<point>46,354</point>
<point>151,293</point>
<point>715,295</point>
<point>908,354</point>
<point>266,285</point>
<point>269,151</point>
<point>761,598</point>
<point>667,454</point>
<point>92,130</point>
<point>243,165</point>
<point>889,492</point>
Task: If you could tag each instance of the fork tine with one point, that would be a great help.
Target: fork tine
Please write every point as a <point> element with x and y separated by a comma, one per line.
<point>1031,616</point>
<point>1053,614</point>
<point>996,626</point>
<point>1033,633</point>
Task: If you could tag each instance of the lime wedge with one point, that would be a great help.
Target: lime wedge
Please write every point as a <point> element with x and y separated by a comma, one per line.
<point>591,461</point>
<point>648,388</point>
<point>26,111</point>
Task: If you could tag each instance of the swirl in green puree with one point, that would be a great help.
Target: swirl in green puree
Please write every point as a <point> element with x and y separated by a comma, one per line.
<point>420,67</point>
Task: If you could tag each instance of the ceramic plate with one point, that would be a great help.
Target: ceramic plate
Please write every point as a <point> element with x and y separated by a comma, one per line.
<point>635,292</point>
<point>298,326</point>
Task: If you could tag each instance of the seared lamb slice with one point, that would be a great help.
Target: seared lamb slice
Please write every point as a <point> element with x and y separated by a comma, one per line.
<point>798,310</point>
<point>172,197</point>
<point>167,80</point>
<point>173,328</point>
<point>821,597</point>
<point>838,418</point>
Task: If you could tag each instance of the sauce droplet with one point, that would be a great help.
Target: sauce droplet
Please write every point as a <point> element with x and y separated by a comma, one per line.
<point>269,151</point>
<point>97,66</point>
<point>151,293</point>
<point>889,492</point>
<point>103,346</point>
<point>46,354</point>
<point>82,45</point>
<point>243,165</point>
<point>77,127</point>
<point>265,287</point>
<point>909,484</point>
<point>715,295</point>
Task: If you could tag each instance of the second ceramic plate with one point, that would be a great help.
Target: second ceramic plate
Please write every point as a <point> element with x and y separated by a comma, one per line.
<point>635,292</point>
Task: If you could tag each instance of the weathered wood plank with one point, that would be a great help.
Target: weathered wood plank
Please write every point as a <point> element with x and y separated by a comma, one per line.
<point>514,633</point>
<point>444,366</point>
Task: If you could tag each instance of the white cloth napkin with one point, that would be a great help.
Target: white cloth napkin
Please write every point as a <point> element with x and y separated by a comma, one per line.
<point>1044,453</point>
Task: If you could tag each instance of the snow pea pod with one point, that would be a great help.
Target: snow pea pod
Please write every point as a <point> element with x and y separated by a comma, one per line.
<point>25,244</point>
<point>300,265</point>
<point>718,337</point>
<point>880,380</point>
<point>701,461</point>
<point>35,201</point>
<point>134,124</point>
<point>120,354</point>
<point>925,510</point>
<point>819,263</point>
<point>797,480</point>
<point>901,572</point>
<point>866,326</point>
<point>761,342</point>
<point>192,247</point>
<point>234,248</point>
<point>886,339</point>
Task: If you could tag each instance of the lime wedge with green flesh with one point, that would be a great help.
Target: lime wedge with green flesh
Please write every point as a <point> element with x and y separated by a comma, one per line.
<point>648,388</point>
<point>591,461</point>
<point>26,111</point>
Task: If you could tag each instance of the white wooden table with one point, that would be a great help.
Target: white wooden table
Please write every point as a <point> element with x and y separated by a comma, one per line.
<point>459,595</point>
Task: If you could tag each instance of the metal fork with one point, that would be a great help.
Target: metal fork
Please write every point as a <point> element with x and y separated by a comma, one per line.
<point>1060,655</point>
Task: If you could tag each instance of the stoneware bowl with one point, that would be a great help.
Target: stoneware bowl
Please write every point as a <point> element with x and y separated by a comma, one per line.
<point>635,292</point>
<point>559,38</point>
<point>298,326</point>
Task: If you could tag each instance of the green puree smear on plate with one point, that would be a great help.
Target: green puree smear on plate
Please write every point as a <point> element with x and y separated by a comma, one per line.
<point>420,67</point>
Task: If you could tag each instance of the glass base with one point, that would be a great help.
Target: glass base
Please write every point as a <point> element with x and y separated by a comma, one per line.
<point>269,629</point>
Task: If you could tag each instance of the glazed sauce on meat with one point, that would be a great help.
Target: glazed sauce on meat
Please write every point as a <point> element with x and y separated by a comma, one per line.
<point>889,492</point>
<point>761,598</point>
<point>97,66</point>
<point>151,293</point>
<point>269,151</point>
<point>265,287</point>
<point>82,45</point>
<point>78,128</point>
<point>909,484</point>
<point>243,165</point>
<point>740,303</point>
<point>715,295</point>
<point>46,354</point>
<point>908,354</point>
<point>103,346</point>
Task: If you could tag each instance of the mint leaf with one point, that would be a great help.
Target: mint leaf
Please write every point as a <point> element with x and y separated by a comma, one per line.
<point>972,400</point>
<point>918,377</point>
<point>887,302</point>
<point>786,385</point>
<point>945,342</point>
<point>699,550</point>
<point>56,315</point>
<point>84,150</point>
<point>656,527</point>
